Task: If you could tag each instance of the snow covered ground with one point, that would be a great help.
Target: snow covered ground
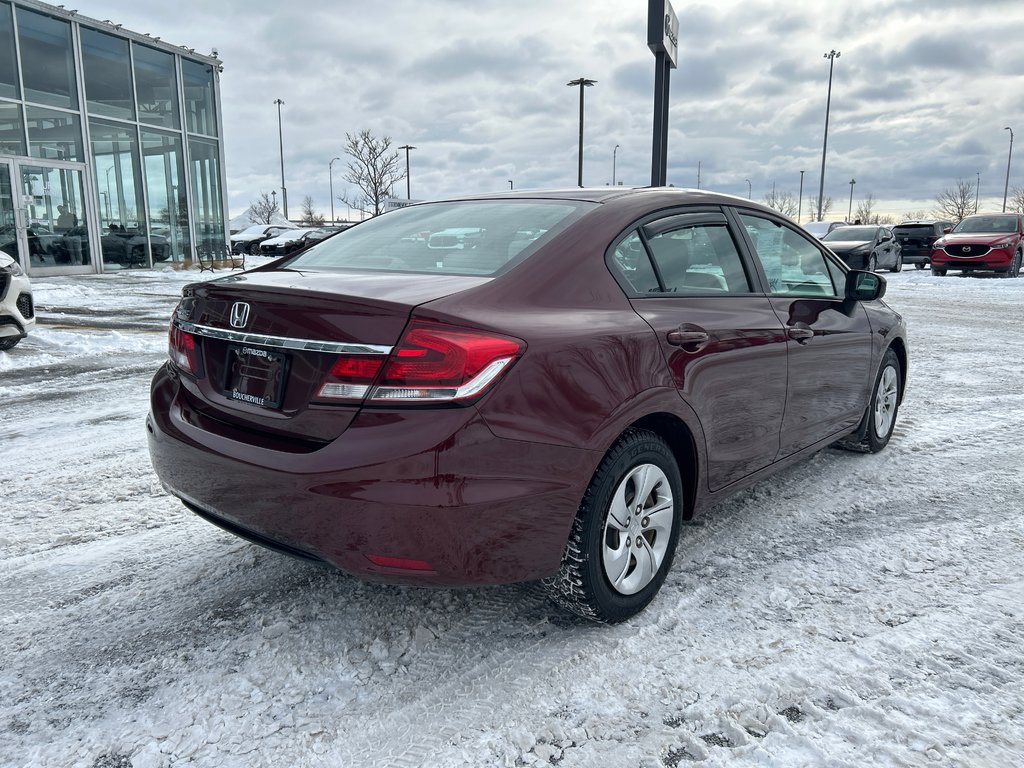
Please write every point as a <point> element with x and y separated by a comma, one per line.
<point>852,611</point>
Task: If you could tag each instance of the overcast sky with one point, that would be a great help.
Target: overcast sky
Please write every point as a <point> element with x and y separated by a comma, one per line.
<point>920,97</point>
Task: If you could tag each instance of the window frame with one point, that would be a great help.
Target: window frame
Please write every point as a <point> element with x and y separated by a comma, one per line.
<point>660,222</point>
<point>833,264</point>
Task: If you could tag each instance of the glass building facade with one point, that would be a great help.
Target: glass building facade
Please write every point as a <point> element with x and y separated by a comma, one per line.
<point>110,146</point>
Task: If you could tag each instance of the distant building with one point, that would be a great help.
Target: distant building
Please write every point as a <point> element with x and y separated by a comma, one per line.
<point>111,150</point>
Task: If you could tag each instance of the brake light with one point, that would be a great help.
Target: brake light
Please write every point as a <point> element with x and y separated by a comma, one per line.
<point>432,363</point>
<point>183,350</point>
<point>350,377</point>
<point>440,363</point>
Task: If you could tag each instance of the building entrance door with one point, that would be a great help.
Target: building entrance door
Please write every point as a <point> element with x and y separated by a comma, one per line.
<point>48,216</point>
<point>9,240</point>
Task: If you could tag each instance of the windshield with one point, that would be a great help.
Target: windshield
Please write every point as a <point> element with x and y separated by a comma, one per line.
<point>987,224</point>
<point>852,234</point>
<point>464,238</point>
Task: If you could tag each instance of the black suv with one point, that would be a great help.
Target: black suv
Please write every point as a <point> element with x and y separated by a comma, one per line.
<point>916,238</point>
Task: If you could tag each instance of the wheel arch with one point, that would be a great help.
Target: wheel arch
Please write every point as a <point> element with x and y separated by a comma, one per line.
<point>899,346</point>
<point>681,442</point>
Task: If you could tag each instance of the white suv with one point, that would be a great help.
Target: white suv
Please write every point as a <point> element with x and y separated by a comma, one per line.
<point>17,313</point>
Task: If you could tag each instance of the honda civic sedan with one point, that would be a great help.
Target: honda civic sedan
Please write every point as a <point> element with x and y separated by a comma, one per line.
<point>548,401</point>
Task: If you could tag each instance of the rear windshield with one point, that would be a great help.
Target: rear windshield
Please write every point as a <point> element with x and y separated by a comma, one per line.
<point>914,229</point>
<point>481,237</point>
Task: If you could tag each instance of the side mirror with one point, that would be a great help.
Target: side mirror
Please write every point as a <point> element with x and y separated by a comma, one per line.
<point>946,230</point>
<point>864,286</point>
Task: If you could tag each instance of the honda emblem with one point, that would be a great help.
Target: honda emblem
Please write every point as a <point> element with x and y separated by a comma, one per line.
<point>239,314</point>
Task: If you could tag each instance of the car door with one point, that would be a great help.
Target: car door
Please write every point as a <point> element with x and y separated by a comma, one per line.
<point>722,340</point>
<point>828,337</point>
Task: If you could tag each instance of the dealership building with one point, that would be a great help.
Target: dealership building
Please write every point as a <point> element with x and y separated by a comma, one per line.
<point>111,149</point>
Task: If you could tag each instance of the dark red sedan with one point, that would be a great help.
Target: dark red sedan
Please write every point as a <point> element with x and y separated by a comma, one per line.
<point>532,386</point>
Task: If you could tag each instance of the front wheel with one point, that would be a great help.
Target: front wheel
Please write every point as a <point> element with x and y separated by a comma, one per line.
<point>254,248</point>
<point>880,417</point>
<point>624,536</point>
<point>1014,269</point>
<point>872,264</point>
<point>898,266</point>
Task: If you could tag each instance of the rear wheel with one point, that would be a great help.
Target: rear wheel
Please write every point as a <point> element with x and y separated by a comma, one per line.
<point>625,532</point>
<point>919,265</point>
<point>939,271</point>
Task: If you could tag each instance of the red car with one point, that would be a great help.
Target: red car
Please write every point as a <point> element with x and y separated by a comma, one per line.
<point>987,241</point>
<point>545,400</point>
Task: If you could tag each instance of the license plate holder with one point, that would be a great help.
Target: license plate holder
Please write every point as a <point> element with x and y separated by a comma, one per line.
<point>255,375</point>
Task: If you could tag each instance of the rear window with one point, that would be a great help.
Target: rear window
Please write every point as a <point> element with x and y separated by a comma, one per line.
<point>914,229</point>
<point>480,237</point>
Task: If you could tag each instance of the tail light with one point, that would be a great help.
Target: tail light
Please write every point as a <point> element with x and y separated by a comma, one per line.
<point>183,350</point>
<point>432,363</point>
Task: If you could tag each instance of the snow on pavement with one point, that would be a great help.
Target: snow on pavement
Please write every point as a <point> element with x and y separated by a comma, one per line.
<point>853,610</point>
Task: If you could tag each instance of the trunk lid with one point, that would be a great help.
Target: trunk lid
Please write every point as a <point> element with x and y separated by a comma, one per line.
<point>266,341</point>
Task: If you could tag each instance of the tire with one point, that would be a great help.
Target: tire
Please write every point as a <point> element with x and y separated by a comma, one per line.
<point>919,265</point>
<point>898,266</point>
<point>8,342</point>
<point>872,263</point>
<point>939,271</point>
<point>253,249</point>
<point>605,576</point>
<point>879,418</point>
<point>1014,269</point>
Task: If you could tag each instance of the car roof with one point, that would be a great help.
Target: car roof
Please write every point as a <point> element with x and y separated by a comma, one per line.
<point>639,199</point>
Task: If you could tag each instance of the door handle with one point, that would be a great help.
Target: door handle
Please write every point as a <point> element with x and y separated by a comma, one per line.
<point>800,333</point>
<point>688,336</point>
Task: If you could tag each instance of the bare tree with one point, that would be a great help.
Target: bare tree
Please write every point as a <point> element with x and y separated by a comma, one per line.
<point>956,202</point>
<point>826,206</point>
<point>263,210</point>
<point>1016,199</point>
<point>309,215</point>
<point>783,202</point>
<point>915,215</point>
<point>865,208</point>
<point>374,170</point>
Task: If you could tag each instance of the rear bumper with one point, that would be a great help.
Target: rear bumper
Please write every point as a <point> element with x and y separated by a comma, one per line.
<point>434,486</point>
<point>916,255</point>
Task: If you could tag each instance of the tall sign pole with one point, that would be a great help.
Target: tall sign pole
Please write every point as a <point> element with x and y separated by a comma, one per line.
<point>663,40</point>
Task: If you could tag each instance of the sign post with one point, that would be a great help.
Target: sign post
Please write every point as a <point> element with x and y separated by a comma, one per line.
<point>663,40</point>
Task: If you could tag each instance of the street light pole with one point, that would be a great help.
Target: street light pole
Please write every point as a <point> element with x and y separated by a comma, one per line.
<point>977,187</point>
<point>749,189</point>
<point>406,147</point>
<point>330,174</point>
<point>510,184</point>
<point>582,82</point>
<point>800,204</point>
<point>1006,188</point>
<point>831,56</point>
<point>280,140</point>
<point>849,211</point>
<point>614,151</point>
